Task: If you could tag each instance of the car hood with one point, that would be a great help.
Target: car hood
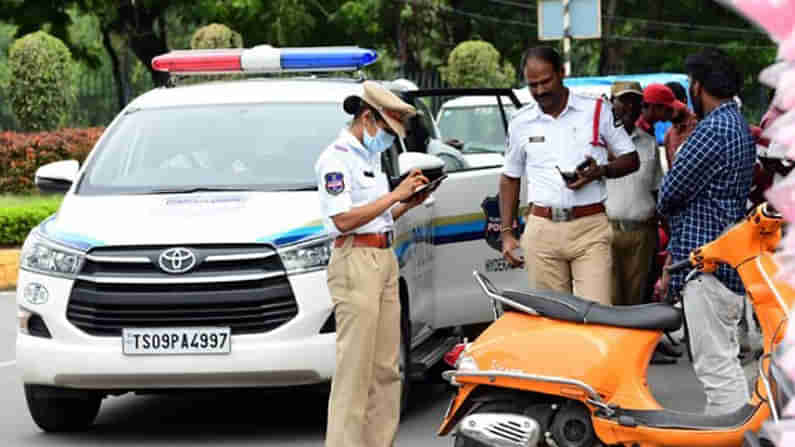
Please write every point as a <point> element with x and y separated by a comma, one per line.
<point>207,218</point>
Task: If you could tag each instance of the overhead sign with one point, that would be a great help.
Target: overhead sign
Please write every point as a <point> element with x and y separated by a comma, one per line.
<point>585,19</point>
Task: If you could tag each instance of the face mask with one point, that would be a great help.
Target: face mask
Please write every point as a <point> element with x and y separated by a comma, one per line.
<point>380,142</point>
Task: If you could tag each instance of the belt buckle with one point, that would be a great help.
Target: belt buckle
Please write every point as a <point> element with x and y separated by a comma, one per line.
<point>561,214</point>
<point>389,236</point>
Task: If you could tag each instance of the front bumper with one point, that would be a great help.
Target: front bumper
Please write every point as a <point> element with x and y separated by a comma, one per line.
<point>293,354</point>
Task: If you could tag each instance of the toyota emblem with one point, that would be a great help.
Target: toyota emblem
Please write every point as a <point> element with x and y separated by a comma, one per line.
<point>177,260</point>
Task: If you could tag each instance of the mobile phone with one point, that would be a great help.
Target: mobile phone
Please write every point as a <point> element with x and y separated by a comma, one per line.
<point>583,165</point>
<point>568,177</point>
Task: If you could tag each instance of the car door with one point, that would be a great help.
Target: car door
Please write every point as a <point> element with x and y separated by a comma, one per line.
<point>459,222</point>
<point>412,246</point>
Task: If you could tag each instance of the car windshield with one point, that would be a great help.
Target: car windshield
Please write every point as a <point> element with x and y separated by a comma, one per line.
<point>265,147</point>
<point>479,128</point>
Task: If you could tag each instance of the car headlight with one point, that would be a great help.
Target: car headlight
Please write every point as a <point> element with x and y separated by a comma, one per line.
<point>306,256</point>
<point>42,256</point>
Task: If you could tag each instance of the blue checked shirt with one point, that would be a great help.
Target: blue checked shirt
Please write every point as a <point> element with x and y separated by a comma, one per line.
<point>706,190</point>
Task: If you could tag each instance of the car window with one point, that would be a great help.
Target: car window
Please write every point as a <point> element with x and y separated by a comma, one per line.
<point>259,146</point>
<point>478,129</point>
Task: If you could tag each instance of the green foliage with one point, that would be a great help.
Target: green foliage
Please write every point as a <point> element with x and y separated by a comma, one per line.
<point>20,214</point>
<point>40,88</point>
<point>476,63</point>
<point>216,35</point>
<point>22,153</point>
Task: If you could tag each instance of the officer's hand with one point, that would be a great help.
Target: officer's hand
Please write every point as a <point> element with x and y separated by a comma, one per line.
<point>586,174</point>
<point>418,199</point>
<point>509,246</point>
<point>406,188</point>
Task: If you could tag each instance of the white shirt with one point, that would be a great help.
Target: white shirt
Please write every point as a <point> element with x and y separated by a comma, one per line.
<point>348,176</point>
<point>538,142</point>
<point>630,197</point>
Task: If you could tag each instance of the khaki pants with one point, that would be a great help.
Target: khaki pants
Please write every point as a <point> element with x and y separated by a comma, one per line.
<point>561,254</point>
<point>632,258</point>
<point>364,406</point>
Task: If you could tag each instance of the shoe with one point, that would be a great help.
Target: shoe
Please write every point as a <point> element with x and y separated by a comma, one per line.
<point>661,359</point>
<point>668,349</point>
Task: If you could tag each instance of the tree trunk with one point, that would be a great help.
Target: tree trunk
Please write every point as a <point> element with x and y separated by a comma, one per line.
<point>138,24</point>
<point>610,57</point>
<point>118,78</point>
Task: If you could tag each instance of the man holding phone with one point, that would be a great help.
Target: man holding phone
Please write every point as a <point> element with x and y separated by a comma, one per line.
<point>560,143</point>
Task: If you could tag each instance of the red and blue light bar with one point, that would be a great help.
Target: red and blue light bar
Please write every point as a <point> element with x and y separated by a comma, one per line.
<point>264,59</point>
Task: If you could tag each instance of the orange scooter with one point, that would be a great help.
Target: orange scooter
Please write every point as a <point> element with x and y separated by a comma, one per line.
<point>556,370</point>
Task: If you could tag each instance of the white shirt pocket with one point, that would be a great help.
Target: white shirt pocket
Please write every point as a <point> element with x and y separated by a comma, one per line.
<point>364,187</point>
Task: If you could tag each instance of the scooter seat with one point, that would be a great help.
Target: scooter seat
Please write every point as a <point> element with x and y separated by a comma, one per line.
<point>561,306</point>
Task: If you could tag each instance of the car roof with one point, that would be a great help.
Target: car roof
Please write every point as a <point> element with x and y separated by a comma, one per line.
<point>259,90</point>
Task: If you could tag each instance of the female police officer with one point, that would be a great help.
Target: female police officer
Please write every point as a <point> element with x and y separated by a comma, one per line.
<point>359,211</point>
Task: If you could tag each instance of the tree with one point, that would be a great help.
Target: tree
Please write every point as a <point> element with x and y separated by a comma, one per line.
<point>40,87</point>
<point>476,63</point>
<point>216,35</point>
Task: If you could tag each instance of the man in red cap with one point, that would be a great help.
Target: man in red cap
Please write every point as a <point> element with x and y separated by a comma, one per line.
<point>683,124</point>
<point>659,104</point>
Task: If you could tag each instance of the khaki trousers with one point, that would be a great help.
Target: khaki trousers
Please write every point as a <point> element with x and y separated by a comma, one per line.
<point>364,406</point>
<point>561,254</point>
<point>632,258</point>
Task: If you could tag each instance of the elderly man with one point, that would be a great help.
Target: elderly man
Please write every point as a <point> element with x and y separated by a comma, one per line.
<point>631,202</point>
<point>567,236</point>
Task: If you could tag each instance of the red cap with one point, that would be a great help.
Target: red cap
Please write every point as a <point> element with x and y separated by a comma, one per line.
<point>662,94</point>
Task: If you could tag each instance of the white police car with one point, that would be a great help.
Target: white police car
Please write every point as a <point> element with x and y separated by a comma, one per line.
<point>189,252</point>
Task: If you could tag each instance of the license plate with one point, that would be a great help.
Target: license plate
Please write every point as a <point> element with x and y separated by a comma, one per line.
<point>170,341</point>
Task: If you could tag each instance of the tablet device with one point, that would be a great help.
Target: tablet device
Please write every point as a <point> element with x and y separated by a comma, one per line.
<point>432,185</point>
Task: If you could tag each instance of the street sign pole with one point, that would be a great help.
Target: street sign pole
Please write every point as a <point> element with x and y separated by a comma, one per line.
<point>567,37</point>
<point>567,20</point>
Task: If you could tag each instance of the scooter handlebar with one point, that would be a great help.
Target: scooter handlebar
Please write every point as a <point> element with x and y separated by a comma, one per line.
<point>678,265</point>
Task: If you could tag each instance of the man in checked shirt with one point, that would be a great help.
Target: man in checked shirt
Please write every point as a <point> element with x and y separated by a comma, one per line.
<point>704,193</point>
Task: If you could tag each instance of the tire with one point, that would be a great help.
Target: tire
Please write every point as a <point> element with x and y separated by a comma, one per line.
<point>491,407</point>
<point>60,411</point>
<point>404,362</point>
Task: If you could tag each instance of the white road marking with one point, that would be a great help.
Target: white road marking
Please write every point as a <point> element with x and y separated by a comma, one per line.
<point>11,363</point>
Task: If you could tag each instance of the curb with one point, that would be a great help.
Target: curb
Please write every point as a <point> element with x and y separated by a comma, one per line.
<point>9,268</point>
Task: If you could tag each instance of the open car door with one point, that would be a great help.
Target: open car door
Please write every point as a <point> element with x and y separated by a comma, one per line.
<point>467,129</point>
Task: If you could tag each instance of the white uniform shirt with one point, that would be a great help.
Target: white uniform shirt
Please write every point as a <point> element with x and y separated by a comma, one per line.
<point>630,197</point>
<point>537,143</point>
<point>348,176</point>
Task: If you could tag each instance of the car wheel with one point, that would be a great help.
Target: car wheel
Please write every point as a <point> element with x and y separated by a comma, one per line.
<point>57,411</point>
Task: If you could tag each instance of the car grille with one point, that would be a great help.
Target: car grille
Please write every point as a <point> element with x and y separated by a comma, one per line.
<point>242,287</point>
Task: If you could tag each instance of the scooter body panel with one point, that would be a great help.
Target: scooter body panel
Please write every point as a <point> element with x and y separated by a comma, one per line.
<point>606,358</point>
<point>611,433</point>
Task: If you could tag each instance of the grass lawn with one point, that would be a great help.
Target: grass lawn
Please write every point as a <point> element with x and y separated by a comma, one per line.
<point>23,201</point>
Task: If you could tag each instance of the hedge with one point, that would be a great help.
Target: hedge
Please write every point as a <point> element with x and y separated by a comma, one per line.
<point>18,217</point>
<point>40,88</point>
<point>22,153</point>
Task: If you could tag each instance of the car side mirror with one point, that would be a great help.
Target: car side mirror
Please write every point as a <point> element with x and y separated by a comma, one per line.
<point>430,165</point>
<point>57,177</point>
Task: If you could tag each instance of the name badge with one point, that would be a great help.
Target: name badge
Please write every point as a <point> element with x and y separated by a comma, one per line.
<point>536,139</point>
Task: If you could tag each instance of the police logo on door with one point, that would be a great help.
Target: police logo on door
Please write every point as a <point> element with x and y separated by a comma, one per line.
<point>335,183</point>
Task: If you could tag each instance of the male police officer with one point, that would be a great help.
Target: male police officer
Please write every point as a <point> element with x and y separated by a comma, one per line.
<point>567,235</point>
<point>359,210</point>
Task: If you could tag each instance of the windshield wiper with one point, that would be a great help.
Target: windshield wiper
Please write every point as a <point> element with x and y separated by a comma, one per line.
<point>198,189</point>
